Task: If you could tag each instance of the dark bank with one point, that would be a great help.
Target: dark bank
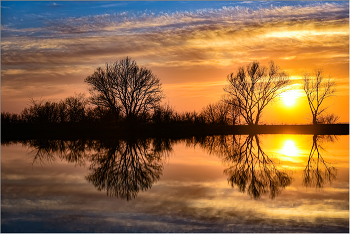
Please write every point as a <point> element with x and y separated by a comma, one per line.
<point>80,131</point>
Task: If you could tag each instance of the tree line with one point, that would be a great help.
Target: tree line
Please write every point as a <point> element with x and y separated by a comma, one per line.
<point>125,93</point>
<point>78,110</point>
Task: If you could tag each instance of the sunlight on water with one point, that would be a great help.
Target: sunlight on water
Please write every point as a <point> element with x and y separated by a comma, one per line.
<point>289,148</point>
<point>206,184</point>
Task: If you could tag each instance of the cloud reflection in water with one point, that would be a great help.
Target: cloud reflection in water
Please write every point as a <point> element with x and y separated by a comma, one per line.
<point>207,204</point>
<point>124,167</point>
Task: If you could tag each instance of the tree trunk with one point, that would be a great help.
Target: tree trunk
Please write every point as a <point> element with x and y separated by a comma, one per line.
<point>257,120</point>
<point>314,119</point>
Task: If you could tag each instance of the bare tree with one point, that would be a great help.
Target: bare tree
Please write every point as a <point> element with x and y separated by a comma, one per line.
<point>317,89</point>
<point>251,89</point>
<point>220,113</point>
<point>75,108</point>
<point>126,87</point>
<point>41,111</point>
<point>328,119</point>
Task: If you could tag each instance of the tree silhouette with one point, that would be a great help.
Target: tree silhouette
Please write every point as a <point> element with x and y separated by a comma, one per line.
<point>249,167</point>
<point>317,89</point>
<point>43,112</point>
<point>220,113</point>
<point>75,108</point>
<point>317,171</point>
<point>328,119</point>
<point>251,89</point>
<point>72,109</point>
<point>124,86</point>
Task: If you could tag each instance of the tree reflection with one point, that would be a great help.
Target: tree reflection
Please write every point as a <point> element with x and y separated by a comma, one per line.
<point>317,170</point>
<point>250,169</point>
<point>75,151</point>
<point>121,167</point>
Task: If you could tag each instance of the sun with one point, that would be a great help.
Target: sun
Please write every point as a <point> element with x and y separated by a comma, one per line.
<point>289,98</point>
<point>289,148</point>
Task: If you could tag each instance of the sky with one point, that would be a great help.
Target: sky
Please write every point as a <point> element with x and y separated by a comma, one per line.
<point>49,48</point>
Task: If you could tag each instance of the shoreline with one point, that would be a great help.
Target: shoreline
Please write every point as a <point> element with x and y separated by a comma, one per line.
<point>76,131</point>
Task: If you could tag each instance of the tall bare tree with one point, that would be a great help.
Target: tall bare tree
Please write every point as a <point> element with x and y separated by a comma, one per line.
<point>318,88</point>
<point>251,89</point>
<point>126,87</point>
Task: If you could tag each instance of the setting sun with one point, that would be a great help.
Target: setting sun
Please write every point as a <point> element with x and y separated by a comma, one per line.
<point>154,113</point>
<point>289,98</point>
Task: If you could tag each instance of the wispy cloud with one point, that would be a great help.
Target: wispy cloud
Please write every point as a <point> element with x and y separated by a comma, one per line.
<point>54,4</point>
<point>111,5</point>
<point>296,37</point>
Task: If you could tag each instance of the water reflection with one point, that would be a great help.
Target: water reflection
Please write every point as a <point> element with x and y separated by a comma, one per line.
<point>289,148</point>
<point>120,167</point>
<point>254,172</point>
<point>317,170</point>
<point>74,151</point>
<point>123,167</point>
<point>249,167</point>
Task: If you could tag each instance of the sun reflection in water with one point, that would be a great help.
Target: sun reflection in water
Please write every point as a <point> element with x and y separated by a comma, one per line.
<point>289,148</point>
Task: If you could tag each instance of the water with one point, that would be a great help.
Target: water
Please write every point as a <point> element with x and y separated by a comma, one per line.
<point>266,183</point>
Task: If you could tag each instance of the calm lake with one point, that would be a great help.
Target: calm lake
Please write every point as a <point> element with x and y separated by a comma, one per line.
<point>264,183</point>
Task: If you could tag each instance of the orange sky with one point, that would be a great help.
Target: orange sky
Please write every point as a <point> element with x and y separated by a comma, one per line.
<point>192,52</point>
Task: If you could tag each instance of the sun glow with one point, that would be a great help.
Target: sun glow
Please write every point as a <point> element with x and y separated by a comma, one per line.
<point>289,148</point>
<point>289,98</point>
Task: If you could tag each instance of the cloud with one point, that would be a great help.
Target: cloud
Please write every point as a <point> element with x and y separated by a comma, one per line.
<point>66,50</point>
<point>130,22</point>
<point>111,5</point>
<point>54,4</point>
